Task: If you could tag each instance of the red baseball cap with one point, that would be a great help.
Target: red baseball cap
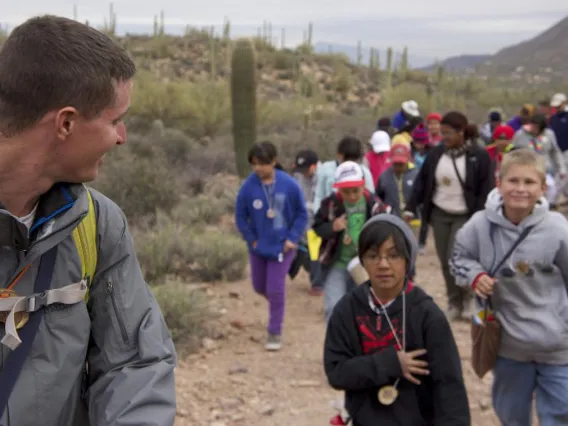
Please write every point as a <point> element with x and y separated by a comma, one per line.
<point>400,154</point>
<point>503,132</point>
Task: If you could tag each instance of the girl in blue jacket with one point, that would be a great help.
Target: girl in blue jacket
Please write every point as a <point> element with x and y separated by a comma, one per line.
<point>271,216</point>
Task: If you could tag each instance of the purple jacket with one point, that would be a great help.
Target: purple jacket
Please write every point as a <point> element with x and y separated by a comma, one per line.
<point>515,123</point>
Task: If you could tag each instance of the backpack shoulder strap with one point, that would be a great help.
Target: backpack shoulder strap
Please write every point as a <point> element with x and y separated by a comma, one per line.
<point>85,237</point>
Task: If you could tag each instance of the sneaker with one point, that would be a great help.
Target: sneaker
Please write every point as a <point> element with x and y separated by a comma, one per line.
<point>422,249</point>
<point>273,343</point>
<point>468,309</point>
<point>315,291</point>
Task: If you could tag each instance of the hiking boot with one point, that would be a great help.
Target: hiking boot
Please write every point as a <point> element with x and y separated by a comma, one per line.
<point>273,343</point>
<point>453,313</point>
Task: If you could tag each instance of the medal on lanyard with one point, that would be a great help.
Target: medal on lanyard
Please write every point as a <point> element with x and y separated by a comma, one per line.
<point>388,394</point>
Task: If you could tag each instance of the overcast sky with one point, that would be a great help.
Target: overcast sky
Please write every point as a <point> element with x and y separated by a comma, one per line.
<point>431,29</point>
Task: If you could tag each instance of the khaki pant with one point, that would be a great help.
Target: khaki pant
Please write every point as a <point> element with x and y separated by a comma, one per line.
<point>444,226</point>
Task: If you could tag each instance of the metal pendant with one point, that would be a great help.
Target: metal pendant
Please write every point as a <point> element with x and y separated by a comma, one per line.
<point>270,214</point>
<point>20,318</point>
<point>387,395</point>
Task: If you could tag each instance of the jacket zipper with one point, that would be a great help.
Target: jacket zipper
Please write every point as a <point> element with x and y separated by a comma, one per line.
<point>111,293</point>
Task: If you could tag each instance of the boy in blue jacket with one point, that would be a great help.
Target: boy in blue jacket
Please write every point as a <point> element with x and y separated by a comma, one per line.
<point>271,216</point>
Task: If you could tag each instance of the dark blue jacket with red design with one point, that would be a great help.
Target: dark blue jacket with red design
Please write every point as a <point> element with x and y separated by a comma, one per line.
<point>360,356</point>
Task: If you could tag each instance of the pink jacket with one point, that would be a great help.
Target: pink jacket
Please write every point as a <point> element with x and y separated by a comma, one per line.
<point>378,163</point>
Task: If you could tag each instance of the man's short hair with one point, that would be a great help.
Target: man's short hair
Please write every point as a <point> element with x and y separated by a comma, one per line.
<point>50,62</point>
<point>523,157</point>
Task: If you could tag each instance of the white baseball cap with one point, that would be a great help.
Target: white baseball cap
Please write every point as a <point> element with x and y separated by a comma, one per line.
<point>411,108</point>
<point>349,174</point>
<point>558,99</point>
<point>380,141</point>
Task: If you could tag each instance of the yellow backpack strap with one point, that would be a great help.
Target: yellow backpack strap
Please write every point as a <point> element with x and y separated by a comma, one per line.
<point>85,237</point>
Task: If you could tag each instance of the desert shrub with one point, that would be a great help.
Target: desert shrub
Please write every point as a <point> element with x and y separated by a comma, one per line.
<point>200,109</point>
<point>343,80</point>
<point>138,184</point>
<point>223,187</point>
<point>219,257</point>
<point>201,209</point>
<point>393,97</point>
<point>163,249</point>
<point>186,313</point>
<point>218,157</point>
<point>282,59</point>
<point>175,248</point>
<point>208,109</point>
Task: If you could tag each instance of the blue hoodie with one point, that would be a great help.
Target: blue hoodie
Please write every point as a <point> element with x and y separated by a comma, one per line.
<point>291,219</point>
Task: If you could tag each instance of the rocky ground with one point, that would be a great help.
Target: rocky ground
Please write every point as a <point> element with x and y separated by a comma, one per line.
<point>234,381</point>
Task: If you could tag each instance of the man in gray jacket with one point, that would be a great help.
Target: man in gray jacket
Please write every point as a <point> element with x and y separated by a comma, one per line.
<point>64,90</point>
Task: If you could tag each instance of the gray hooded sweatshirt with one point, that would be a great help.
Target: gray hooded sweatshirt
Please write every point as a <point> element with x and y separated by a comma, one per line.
<point>531,308</point>
<point>120,333</point>
<point>548,149</point>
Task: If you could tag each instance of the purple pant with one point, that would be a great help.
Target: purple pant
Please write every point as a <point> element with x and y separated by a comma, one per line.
<point>269,279</point>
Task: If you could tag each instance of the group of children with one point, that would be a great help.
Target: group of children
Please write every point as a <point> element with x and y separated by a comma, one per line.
<point>388,345</point>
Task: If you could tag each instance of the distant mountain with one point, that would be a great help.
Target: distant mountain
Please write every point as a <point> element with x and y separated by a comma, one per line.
<point>460,63</point>
<point>415,61</point>
<point>547,52</point>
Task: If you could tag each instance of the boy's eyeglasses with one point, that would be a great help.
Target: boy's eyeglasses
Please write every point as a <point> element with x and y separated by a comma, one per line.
<point>375,258</point>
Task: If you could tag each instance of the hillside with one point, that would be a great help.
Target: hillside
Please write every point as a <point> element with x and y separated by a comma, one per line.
<point>544,56</point>
<point>461,63</point>
<point>414,60</point>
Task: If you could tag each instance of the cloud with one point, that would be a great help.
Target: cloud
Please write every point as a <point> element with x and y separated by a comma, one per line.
<point>432,28</point>
<point>494,26</point>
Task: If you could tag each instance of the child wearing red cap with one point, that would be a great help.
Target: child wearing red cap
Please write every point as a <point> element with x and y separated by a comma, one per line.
<point>502,137</point>
<point>433,121</point>
<point>338,222</point>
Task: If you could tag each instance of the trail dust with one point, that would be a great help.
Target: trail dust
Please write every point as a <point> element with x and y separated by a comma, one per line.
<point>234,381</point>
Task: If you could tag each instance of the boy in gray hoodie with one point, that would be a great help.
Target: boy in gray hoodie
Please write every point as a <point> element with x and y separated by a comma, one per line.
<point>528,294</point>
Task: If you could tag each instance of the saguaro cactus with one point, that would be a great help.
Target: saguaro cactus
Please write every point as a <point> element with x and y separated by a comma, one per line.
<point>243,101</point>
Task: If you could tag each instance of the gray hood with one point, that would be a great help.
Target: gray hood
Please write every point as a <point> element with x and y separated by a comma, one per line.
<point>494,209</point>
<point>404,228</point>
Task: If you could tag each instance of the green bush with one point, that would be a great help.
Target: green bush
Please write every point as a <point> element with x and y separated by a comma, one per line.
<point>138,184</point>
<point>186,313</point>
<point>173,247</point>
<point>219,256</point>
<point>201,209</point>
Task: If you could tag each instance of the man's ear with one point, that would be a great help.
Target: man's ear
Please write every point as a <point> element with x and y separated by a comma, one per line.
<point>65,121</point>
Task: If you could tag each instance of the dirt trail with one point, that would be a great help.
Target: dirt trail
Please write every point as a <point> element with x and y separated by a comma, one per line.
<point>236,382</point>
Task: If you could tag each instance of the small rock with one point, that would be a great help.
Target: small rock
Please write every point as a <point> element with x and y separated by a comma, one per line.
<point>238,380</point>
<point>237,417</point>
<point>238,324</point>
<point>231,403</point>
<point>238,369</point>
<point>255,339</point>
<point>234,295</point>
<point>208,344</point>
<point>484,404</point>
<point>305,384</point>
<point>267,410</point>
<point>182,413</point>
